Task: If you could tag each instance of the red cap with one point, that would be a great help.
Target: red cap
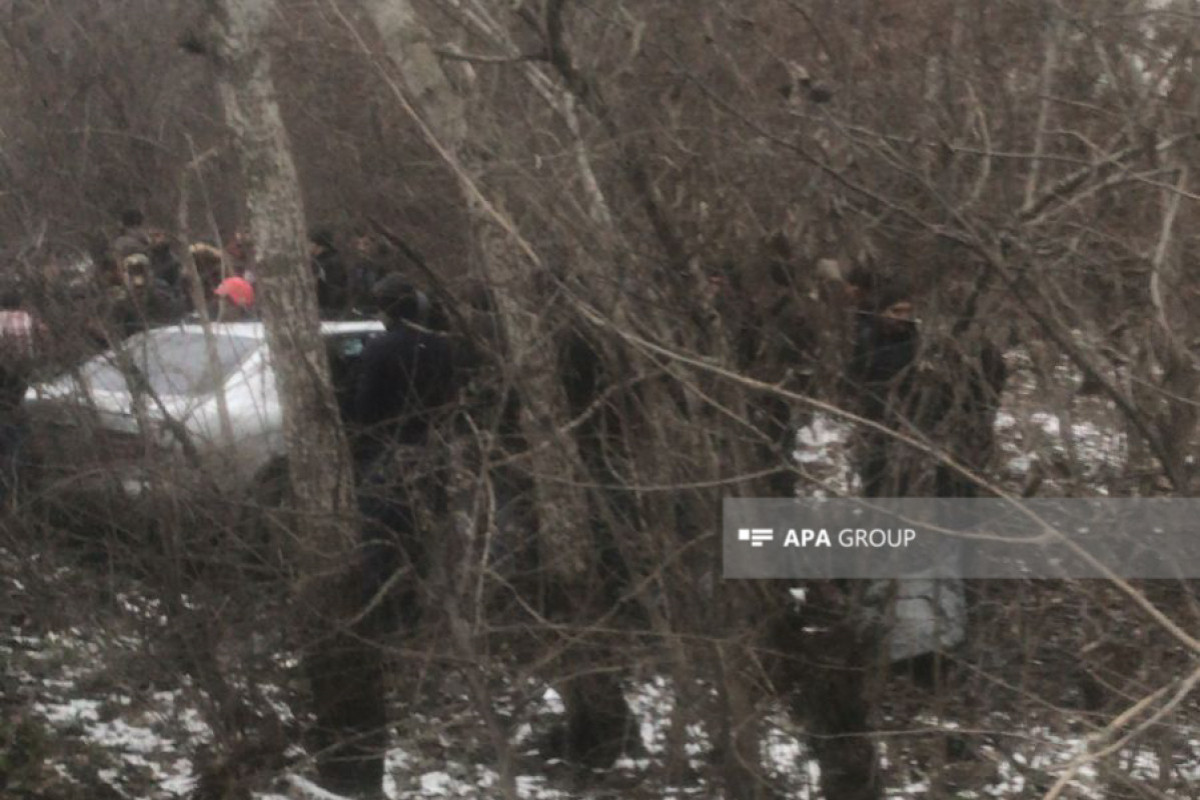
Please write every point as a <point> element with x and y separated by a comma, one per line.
<point>237,290</point>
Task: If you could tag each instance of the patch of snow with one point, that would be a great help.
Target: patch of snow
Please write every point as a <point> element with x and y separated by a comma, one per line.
<point>310,791</point>
<point>824,446</point>
<point>72,711</point>
<point>553,702</point>
<point>818,436</point>
<point>442,784</point>
<point>535,786</point>
<point>653,701</point>
<point>119,735</point>
<point>1049,423</point>
<point>783,752</point>
<point>1019,465</point>
<point>180,781</point>
<point>629,763</point>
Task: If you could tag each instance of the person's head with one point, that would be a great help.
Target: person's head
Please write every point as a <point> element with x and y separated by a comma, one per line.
<point>400,301</point>
<point>721,282</point>
<point>239,246</point>
<point>321,239</point>
<point>237,298</point>
<point>208,261</point>
<point>135,269</point>
<point>132,218</point>
<point>884,297</point>
<point>160,244</point>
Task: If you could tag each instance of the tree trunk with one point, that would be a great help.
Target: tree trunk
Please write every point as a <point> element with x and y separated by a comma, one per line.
<point>510,267</point>
<point>346,675</point>
<point>567,538</point>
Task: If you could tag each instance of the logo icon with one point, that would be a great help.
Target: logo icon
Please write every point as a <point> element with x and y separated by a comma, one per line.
<point>757,537</point>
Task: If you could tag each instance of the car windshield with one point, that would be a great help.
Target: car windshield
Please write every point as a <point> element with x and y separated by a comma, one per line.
<point>175,362</point>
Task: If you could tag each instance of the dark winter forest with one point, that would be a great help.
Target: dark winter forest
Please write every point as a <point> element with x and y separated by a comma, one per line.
<point>373,372</point>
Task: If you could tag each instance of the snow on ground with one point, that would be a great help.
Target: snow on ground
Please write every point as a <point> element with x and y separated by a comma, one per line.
<point>1079,439</point>
<point>141,742</point>
<point>1092,443</point>
<point>823,454</point>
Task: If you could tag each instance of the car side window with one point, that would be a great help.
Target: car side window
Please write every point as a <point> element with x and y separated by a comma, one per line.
<point>345,355</point>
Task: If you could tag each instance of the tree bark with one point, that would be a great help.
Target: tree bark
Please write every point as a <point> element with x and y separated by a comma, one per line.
<point>346,675</point>
<point>510,267</point>
<point>568,541</point>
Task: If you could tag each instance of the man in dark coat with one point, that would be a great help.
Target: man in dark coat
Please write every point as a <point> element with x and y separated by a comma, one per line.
<point>406,379</point>
<point>133,239</point>
<point>951,406</point>
<point>20,337</point>
<point>406,375</point>
<point>943,393</point>
<point>333,290</point>
<point>369,265</point>
<point>164,264</point>
<point>881,374</point>
<point>142,301</point>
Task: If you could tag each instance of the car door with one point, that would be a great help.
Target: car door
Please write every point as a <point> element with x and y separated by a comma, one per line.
<point>345,359</point>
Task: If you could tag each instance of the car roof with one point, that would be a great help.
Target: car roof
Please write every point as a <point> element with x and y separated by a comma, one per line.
<point>256,330</point>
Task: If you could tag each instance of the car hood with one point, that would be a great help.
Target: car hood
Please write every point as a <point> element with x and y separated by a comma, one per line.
<point>116,409</point>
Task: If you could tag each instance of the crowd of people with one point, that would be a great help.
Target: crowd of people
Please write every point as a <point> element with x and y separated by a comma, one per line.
<point>142,277</point>
<point>62,309</point>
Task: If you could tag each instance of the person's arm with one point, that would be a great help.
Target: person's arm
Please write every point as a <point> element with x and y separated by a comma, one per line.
<point>368,396</point>
<point>366,407</point>
<point>438,389</point>
<point>859,368</point>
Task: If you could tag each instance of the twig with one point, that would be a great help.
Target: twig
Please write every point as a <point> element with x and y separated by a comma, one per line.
<point>1071,770</point>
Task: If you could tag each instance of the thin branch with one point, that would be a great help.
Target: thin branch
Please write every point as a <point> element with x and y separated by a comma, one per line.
<point>1185,688</point>
<point>1049,63</point>
<point>1061,189</point>
<point>1139,599</point>
<point>472,58</point>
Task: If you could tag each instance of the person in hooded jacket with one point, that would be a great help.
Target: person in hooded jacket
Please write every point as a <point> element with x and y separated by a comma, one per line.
<point>369,264</point>
<point>165,266</point>
<point>405,381</point>
<point>881,373</point>
<point>141,301</point>
<point>333,290</point>
<point>405,375</point>
<point>952,404</point>
<point>21,338</point>
<point>133,239</point>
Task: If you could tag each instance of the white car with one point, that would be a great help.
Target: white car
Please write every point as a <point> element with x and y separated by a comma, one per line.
<point>86,423</point>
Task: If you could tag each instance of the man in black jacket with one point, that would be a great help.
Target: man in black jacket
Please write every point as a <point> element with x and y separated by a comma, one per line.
<point>142,301</point>
<point>943,393</point>
<point>882,375</point>
<point>20,335</point>
<point>951,406</point>
<point>406,378</point>
<point>406,375</point>
<point>332,281</point>
<point>133,238</point>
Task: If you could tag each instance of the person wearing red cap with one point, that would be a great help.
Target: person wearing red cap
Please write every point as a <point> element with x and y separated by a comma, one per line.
<point>237,299</point>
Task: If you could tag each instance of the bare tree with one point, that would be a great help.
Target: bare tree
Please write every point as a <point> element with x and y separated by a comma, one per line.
<point>519,283</point>
<point>345,674</point>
